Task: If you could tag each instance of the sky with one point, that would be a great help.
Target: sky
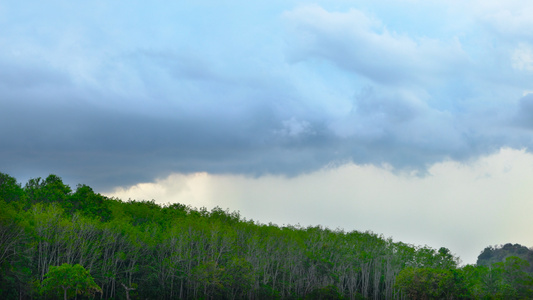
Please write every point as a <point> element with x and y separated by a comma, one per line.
<point>412,119</point>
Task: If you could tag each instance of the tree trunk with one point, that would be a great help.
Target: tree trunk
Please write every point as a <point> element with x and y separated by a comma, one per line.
<point>127,291</point>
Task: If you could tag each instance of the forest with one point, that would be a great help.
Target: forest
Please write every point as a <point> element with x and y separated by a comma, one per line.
<point>60,243</point>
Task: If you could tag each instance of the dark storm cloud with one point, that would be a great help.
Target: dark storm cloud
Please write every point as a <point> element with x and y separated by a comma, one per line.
<point>106,148</point>
<point>120,96</point>
<point>85,141</point>
<point>78,141</point>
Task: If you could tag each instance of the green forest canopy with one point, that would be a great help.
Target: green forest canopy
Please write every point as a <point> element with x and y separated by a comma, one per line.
<point>138,249</point>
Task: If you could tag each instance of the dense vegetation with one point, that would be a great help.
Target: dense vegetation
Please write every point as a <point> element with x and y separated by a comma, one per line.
<point>60,243</point>
<point>492,254</point>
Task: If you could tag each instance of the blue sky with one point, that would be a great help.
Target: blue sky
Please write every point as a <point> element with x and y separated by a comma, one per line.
<point>128,94</point>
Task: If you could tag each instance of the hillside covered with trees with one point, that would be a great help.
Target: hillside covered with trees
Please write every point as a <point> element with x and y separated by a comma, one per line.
<point>56,242</point>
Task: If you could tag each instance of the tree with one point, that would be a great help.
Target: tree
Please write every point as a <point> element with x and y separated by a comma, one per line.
<point>211,278</point>
<point>503,280</point>
<point>515,277</point>
<point>140,249</point>
<point>52,189</point>
<point>444,259</point>
<point>127,289</point>
<point>68,277</point>
<point>88,203</point>
<point>14,252</point>
<point>10,190</point>
<point>426,283</point>
<point>491,255</point>
<point>239,278</point>
<point>329,292</point>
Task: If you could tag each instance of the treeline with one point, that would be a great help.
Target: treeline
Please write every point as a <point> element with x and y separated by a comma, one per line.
<point>495,254</point>
<point>141,250</point>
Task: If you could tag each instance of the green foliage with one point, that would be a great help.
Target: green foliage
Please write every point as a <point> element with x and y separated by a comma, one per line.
<point>240,277</point>
<point>445,260</point>
<point>224,216</point>
<point>515,277</point>
<point>90,204</point>
<point>329,292</point>
<point>504,280</point>
<point>52,189</point>
<point>426,283</point>
<point>212,279</point>
<point>491,255</point>
<point>69,280</point>
<point>267,292</point>
<point>14,271</point>
<point>10,190</point>
<point>143,250</point>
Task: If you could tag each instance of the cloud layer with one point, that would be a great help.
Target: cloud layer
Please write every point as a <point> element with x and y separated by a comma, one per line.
<point>112,94</point>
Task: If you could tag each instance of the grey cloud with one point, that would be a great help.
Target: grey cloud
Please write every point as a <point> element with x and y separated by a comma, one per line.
<point>524,114</point>
<point>180,65</point>
<point>104,147</point>
<point>138,114</point>
<point>376,113</point>
<point>404,132</point>
<point>25,76</point>
<point>112,148</point>
<point>395,108</point>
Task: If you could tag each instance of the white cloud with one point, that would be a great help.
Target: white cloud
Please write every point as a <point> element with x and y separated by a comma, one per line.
<point>360,43</point>
<point>522,58</point>
<point>464,207</point>
<point>511,19</point>
<point>176,188</point>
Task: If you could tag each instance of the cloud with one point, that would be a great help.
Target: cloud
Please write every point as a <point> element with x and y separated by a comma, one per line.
<point>523,58</point>
<point>464,207</point>
<point>360,43</point>
<point>128,93</point>
<point>510,20</point>
<point>524,114</point>
<point>293,127</point>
